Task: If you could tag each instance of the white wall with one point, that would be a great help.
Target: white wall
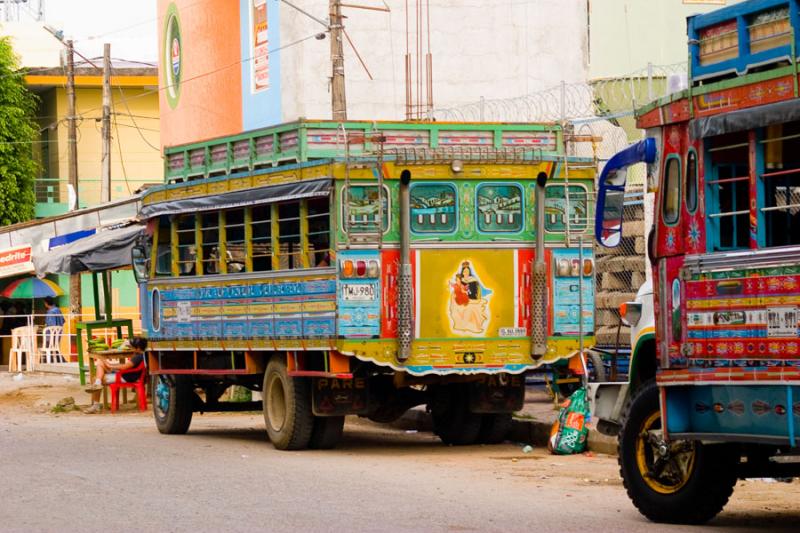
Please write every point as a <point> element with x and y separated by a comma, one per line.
<point>497,49</point>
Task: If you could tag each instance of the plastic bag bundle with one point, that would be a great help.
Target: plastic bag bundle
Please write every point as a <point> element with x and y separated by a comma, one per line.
<point>569,431</point>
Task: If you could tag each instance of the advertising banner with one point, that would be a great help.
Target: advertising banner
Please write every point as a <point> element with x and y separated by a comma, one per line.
<point>15,261</point>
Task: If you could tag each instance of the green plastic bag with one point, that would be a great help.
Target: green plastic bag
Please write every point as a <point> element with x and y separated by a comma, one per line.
<point>569,431</point>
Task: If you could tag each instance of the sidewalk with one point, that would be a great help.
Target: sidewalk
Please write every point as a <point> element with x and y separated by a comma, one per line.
<point>531,424</point>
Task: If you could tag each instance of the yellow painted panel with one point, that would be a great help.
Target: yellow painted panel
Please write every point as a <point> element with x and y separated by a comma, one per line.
<point>261,309</point>
<point>288,308</point>
<point>319,307</point>
<point>465,293</point>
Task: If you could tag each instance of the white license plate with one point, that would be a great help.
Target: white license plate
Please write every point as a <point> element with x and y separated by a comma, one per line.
<point>358,293</point>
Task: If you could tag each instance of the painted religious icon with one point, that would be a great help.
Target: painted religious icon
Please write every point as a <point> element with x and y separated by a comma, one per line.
<point>469,302</point>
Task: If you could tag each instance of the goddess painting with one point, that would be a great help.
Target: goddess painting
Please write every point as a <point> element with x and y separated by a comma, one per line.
<point>469,304</point>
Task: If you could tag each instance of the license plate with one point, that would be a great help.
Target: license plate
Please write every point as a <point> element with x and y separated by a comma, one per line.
<point>358,293</point>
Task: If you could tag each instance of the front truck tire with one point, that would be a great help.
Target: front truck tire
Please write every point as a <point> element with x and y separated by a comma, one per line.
<point>680,482</point>
<point>287,407</point>
<point>173,403</point>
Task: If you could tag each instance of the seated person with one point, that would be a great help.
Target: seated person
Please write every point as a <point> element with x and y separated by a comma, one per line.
<point>106,372</point>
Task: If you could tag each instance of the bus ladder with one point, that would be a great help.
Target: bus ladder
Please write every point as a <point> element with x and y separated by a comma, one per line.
<point>365,237</point>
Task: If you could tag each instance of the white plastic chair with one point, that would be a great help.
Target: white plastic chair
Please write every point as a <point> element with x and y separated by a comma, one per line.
<point>51,345</point>
<point>23,342</point>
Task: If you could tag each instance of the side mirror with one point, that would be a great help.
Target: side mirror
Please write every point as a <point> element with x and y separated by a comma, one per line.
<point>140,263</point>
<point>611,190</point>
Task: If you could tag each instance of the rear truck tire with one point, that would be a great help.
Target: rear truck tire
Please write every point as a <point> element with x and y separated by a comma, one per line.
<point>173,402</point>
<point>678,482</point>
<point>287,407</point>
<point>453,422</point>
<point>494,428</point>
<point>327,432</point>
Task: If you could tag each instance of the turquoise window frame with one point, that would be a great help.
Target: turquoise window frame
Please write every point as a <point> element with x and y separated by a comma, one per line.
<point>521,190</point>
<point>456,214</point>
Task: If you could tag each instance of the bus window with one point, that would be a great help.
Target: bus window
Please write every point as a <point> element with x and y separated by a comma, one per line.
<point>728,197</point>
<point>781,184</point>
<point>363,209</point>
<point>499,208</point>
<point>433,208</point>
<point>556,208</point>
<point>691,181</point>
<point>319,232</point>
<point>290,251</point>
<point>261,242</point>
<point>672,191</point>
<point>187,249</point>
<point>234,240</point>
<point>210,249</point>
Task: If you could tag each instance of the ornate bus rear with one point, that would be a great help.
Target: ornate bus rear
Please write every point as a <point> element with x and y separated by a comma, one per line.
<point>366,269</point>
<point>725,249</point>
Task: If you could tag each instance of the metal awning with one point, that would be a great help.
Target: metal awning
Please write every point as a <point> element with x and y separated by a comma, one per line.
<point>247,197</point>
<point>105,250</point>
<point>745,119</point>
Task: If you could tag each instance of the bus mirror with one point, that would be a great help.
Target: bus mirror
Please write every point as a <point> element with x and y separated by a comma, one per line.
<point>139,263</point>
<point>611,191</point>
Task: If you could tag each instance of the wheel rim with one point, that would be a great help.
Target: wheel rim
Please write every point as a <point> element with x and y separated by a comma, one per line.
<point>276,403</point>
<point>664,466</point>
<point>162,394</point>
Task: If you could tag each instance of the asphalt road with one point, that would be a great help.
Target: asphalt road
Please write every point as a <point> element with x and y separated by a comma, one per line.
<point>75,472</point>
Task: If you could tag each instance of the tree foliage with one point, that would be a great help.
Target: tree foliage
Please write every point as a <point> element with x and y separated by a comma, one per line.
<point>19,134</point>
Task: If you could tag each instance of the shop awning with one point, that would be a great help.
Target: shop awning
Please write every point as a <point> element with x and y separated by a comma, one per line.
<point>247,197</point>
<point>745,119</point>
<point>105,250</point>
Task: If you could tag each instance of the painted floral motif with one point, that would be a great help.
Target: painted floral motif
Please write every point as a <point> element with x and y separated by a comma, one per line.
<point>670,241</point>
<point>694,234</point>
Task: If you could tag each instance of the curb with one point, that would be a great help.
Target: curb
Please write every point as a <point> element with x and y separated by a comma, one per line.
<point>523,430</point>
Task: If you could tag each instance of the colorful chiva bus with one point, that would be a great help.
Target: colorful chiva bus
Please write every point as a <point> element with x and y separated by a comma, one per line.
<point>365,269</point>
<point>719,397</point>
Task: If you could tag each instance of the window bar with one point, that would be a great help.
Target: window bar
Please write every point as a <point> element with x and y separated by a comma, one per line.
<point>782,138</point>
<point>154,249</point>
<point>198,245</point>
<point>222,233</point>
<point>248,239</point>
<point>780,207</point>
<point>729,214</point>
<point>304,262</point>
<point>729,147</point>
<point>781,173</point>
<point>729,180</point>
<point>274,237</point>
<point>173,228</point>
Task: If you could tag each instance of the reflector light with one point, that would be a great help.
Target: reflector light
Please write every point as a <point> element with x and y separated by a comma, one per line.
<point>347,269</point>
<point>373,270</point>
<point>361,268</point>
<point>588,267</point>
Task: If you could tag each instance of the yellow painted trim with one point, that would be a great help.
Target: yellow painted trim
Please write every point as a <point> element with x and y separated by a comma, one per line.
<point>641,460</point>
<point>304,234</point>
<point>223,243</point>
<point>650,330</point>
<point>173,229</point>
<point>154,251</point>
<point>93,81</point>
<point>275,237</point>
<point>248,239</point>
<point>198,245</point>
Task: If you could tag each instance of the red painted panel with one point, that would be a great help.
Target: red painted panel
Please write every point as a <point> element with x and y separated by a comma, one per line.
<point>390,269</point>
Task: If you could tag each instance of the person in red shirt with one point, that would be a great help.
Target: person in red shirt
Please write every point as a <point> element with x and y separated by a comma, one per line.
<point>106,372</point>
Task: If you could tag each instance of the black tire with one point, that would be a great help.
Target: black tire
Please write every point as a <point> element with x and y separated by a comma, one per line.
<point>287,407</point>
<point>173,403</point>
<point>326,433</point>
<point>693,494</point>
<point>494,428</point>
<point>453,422</point>
<point>598,373</point>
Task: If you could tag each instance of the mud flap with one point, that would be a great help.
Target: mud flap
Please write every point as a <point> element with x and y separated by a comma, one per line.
<point>337,397</point>
<point>500,393</point>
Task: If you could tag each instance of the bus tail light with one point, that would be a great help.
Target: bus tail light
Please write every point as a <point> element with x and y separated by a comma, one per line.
<point>361,268</point>
<point>348,269</point>
<point>588,267</point>
<point>373,269</point>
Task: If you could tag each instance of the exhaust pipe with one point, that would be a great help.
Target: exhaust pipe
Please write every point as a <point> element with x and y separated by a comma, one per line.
<point>405,295</point>
<point>539,296</point>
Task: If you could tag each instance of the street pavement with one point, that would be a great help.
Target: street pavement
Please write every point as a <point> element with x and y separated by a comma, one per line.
<point>85,473</point>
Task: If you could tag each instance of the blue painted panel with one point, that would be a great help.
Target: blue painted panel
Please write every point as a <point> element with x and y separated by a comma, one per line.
<point>740,409</point>
<point>566,294</point>
<point>360,318</point>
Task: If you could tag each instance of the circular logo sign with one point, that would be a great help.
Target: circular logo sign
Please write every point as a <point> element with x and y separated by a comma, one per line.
<point>172,56</point>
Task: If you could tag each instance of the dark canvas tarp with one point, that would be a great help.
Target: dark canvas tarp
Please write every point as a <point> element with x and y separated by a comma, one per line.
<point>105,250</point>
<point>229,200</point>
<point>745,119</point>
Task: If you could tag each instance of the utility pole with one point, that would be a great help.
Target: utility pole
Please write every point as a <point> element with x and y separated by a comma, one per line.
<point>75,307</point>
<point>105,170</point>
<point>338,99</point>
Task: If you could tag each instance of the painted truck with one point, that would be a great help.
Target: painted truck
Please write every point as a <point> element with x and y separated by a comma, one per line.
<point>365,268</point>
<point>718,400</point>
